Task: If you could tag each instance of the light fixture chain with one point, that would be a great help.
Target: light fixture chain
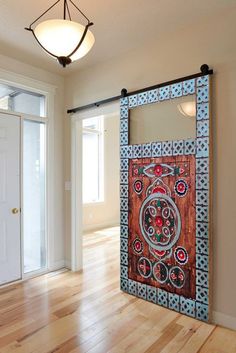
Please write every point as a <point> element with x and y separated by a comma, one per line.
<point>44,13</point>
<point>64,10</point>
<point>68,10</point>
<point>79,11</point>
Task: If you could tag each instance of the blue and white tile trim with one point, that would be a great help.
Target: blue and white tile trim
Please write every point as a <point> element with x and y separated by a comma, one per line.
<point>159,149</point>
<point>200,146</point>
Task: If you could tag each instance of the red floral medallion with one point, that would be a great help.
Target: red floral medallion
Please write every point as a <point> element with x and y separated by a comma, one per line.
<point>159,221</point>
<point>158,170</point>
<point>138,186</point>
<point>181,187</point>
<point>137,246</point>
<point>181,255</point>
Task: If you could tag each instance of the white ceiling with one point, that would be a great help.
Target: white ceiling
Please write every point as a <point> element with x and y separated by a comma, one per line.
<point>119,26</point>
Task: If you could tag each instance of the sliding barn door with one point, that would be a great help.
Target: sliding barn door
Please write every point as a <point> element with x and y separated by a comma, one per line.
<point>165,196</point>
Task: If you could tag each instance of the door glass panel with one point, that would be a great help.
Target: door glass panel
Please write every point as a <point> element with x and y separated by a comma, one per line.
<point>34,191</point>
<point>173,119</point>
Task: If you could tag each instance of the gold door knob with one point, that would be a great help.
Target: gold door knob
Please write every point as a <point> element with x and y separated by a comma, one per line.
<point>15,210</point>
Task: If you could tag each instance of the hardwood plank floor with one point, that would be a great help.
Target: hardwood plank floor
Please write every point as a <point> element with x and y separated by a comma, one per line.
<point>86,312</point>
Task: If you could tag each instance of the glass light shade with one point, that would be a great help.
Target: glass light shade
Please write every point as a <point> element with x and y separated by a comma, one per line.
<point>61,37</point>
<point>188,109</point>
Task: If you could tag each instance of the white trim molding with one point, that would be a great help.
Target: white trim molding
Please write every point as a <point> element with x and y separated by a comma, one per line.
<point>68,264</point>
<point>76,195</point>
<point>25,82</point>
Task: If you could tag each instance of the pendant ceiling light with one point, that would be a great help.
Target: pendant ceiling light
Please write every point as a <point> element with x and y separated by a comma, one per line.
<point>63,39</point>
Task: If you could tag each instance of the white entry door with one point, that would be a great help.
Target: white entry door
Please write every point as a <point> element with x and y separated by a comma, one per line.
<point>10,235</point>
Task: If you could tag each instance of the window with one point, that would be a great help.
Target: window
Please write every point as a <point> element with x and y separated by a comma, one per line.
<point>34,196</point>
<point>93,160</point>
<point>21,101</point>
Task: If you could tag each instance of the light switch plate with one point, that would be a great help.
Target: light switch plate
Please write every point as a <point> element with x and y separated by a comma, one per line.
<point>67,186</point>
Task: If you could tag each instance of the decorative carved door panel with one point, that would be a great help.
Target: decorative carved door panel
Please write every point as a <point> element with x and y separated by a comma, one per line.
<point>165,198</point>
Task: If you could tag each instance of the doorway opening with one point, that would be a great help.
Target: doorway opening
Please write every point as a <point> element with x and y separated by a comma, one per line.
<point>100,188</point>
<point>95,160</point>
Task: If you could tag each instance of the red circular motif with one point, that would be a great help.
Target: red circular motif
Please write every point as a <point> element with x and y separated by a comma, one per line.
<point>181,255</point>
<point>159,221</point>
<point>158,170</point>
<point>137,246</point>
<point>181,187</point>
<point>160,209</point>
<point>138,186</point>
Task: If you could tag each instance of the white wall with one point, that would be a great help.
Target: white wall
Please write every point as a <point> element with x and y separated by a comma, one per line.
<point>107,213</point>
<point>19,68</point>
<point>182,53</point>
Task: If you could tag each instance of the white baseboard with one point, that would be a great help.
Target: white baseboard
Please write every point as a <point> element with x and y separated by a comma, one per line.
<point>57,265</point>
<point>68,264</point>
<point>224,320</point>
<point>97,226</point>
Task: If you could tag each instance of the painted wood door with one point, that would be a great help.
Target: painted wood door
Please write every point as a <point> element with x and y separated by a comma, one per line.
<point>165,198</point>
<point>10,234</point>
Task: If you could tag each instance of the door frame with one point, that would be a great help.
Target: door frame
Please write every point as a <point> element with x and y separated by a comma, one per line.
<point>31,85</point>
<point>76,179</point>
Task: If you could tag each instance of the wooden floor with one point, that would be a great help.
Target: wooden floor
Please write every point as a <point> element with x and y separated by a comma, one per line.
<point>86,312</point>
